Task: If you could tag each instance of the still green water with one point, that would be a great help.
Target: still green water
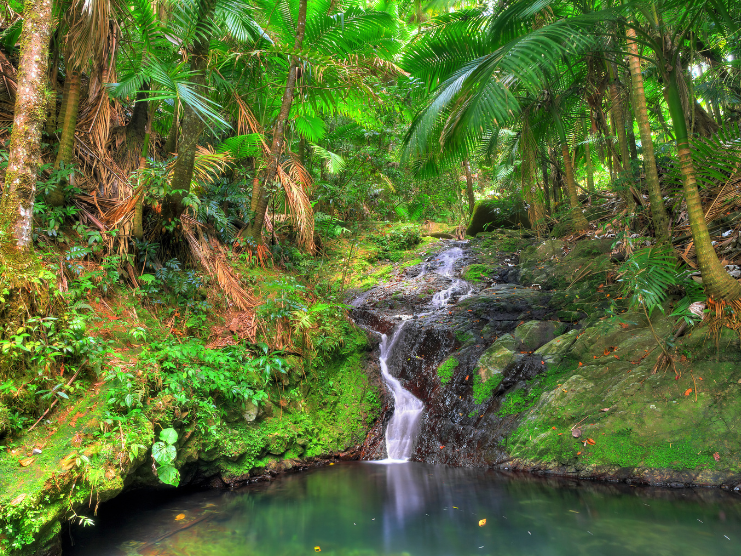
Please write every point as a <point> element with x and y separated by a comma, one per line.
<point>412,509</point>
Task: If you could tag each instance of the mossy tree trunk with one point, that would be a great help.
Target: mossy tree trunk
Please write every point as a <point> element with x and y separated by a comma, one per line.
<point>16,207</point>
<point>656,201</point>
<point>276,148</point>
<point>719,285</point>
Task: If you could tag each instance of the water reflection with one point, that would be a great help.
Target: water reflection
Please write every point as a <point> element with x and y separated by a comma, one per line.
<point>370,509</point>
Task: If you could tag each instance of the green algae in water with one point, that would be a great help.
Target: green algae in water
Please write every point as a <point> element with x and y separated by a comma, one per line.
<point>412,509</point>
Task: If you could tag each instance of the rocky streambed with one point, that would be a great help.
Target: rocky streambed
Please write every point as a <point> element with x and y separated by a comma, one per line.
<point>522,368</point>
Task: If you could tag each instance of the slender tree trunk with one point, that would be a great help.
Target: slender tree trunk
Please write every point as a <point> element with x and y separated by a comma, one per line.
<point>658,211</point>
<point>578,221</point>
<point>617,110</point>
<point>171,143</point>
<point>590,167</point>
<point>138,222</point>
<point>276,147</point>
<point>469,186</point>
<point>719,285</point>
<point>70,109</point>
<point>192,127</point>
<point>16,207</point>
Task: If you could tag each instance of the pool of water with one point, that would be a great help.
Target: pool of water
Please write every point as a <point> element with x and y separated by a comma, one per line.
<point>413,509</point>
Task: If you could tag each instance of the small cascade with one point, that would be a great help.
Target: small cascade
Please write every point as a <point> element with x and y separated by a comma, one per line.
<point>402,428</point>
<point>445,268</point>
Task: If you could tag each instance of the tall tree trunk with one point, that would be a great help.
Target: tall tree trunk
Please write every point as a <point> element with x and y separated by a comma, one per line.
<point>171,143</point>
<point>16,207</point>
<point>70,110</point>
<point>276,147</point>
<point>719,285</point>
<point>137,227</point>
<point>590,167</point>
<point>658,211</point>
<point>192,127</point>
<point>617,110</point>
<point>469,186</point>
<point>578,221</point>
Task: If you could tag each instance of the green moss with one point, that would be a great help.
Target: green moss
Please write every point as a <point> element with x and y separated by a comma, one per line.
<point>446,369</point>
<point>413,262</point>
<point>523,399</point>
<point>476,272</point>
<point>463,337</point>
<point>482,390</point>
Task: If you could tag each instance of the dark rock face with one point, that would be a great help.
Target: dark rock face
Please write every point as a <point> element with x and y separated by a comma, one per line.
<point>455,429</point>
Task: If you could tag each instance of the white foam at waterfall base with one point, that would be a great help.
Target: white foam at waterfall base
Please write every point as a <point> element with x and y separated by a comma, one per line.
<point>401,431</point>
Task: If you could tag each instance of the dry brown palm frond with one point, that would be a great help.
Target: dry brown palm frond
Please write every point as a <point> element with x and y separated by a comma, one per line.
<point>209,164</point>
<point>247,123</point>
<point>89,29</point>
<point>298,203</point>
<point>210,254</point>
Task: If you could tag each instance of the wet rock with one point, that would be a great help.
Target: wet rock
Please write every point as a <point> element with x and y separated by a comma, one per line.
<point>533,334</point>
<point>497,357</point>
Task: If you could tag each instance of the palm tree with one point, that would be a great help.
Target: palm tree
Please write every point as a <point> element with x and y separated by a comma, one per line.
<point>19,190</point>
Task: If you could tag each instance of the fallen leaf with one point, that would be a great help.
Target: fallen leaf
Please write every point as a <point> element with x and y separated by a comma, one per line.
<point>482,522</point>
<point>688,392</point>
<point>179,517</point>
<point>317,549</point>
<point>578,453</point>
<point>467,376</point>
<point>604,409</point>
<point>554,428</point>
<point>591,441</point>
<point>441,447</point>
<point>716,456</point>
<point>25,462</point>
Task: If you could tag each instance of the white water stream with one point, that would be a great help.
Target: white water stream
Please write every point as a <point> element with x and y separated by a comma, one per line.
<point>402,428</point>
<point>401,431</point>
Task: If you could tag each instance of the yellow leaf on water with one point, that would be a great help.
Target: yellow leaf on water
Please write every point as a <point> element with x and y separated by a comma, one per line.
<point>482,522</point>
<point>179,517</point>
<point>317,549</point>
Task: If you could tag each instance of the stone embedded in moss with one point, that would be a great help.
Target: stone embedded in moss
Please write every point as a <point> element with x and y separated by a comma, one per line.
<point>534,334</point>
<point>446,369</point>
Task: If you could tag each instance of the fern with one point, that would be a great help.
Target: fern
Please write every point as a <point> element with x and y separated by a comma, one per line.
<point>648,275</point>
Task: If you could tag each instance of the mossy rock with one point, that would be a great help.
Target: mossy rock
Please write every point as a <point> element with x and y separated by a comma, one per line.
<point>534,334</point>
<point>488,215</point>
<point>493,361</point>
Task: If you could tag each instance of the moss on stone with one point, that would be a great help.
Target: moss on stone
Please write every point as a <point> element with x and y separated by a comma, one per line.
<point>446,369</point>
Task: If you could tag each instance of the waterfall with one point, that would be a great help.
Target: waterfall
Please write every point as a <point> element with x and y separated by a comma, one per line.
<point>401,431</point>
<point>402,428</point>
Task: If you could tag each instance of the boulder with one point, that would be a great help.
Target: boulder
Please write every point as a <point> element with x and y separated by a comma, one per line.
<point>489,215</point>
<point>534,334</point>
<point>500,354</point>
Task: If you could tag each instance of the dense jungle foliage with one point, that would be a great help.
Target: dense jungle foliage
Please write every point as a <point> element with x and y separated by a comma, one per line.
<point>185,183</point>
